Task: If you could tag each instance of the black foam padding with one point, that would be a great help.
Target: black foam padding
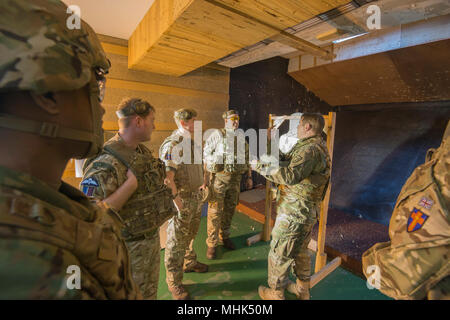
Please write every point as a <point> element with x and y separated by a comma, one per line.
<point>376,151</point>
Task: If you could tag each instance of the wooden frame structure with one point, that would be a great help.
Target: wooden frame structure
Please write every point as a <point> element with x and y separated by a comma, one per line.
<point>322,269</point>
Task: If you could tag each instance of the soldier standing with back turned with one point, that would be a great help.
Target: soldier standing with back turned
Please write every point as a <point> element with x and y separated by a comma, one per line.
<point>51,85</point>
<point>415,264</point>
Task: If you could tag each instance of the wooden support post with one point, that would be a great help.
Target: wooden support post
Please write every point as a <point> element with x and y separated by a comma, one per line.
<point>268,207</point>
<point>321,257</point>
<point>325,271</point>
<point>254,239</point>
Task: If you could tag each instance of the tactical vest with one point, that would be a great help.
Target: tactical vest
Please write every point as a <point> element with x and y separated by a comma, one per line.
<point>151,204</point>
<point>233,168</point>
<point>97,244</point>
<point>417,257</point>
<point>189,177</point>
<point>312,188</point>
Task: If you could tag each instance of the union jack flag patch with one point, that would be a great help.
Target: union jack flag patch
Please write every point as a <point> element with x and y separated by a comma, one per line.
<point>426,203</point>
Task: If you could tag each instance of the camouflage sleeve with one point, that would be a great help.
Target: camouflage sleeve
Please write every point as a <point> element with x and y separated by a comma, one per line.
<point>442,172</point>
<point>300,167</point>
<point>99,181</point>
<point>211,143</point>
<point>36,270</point>
<point>167,156</point>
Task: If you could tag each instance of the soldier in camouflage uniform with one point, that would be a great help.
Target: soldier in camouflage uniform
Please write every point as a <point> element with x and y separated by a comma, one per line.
<point>304,181</point>
<point>225,181</point>
<point>54,244</point>
<point>185,177</point>
<point>130,181</point>
<point>415,264</point>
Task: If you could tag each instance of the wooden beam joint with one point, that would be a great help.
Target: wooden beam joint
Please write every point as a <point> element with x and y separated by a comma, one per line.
<point>283,37</point>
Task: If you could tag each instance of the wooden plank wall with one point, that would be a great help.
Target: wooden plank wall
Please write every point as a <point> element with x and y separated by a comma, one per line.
<point>205,90</point>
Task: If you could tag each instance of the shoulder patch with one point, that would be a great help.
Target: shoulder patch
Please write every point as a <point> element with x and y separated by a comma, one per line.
<point>416,220</point>
<point>89,186</point>
<point>426,203</point>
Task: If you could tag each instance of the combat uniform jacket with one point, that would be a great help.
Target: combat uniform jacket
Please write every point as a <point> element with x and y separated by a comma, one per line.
<point>150,205</point>
<point>304,176</point>
<point>44,231</point>
<point>217,151</point>
<point>188,176</point>
<point>418,255</point>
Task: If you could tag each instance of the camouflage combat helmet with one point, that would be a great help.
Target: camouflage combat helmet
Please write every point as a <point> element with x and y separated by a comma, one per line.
<point>39,53</point>
<point>185,114</point>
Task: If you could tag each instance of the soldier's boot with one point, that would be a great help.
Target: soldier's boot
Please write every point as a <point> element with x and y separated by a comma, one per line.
<point>179,292</point>
<point>197,267</point>
<point>211,253</point>
<point>227,243</point>
<point>300,289</point>
<point>270,294</point>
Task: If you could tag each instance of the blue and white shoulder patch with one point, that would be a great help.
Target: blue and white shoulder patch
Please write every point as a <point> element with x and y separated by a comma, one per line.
<point>89,186</point>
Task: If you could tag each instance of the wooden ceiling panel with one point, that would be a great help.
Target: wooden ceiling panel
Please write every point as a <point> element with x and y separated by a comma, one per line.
<point>283,13</point>
<point>179,36</point>
<point>213,20</point>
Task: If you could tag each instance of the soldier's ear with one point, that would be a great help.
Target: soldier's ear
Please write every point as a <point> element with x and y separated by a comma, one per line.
<point>138,121</point>
<point>308,126</point>
<point>46,102</point>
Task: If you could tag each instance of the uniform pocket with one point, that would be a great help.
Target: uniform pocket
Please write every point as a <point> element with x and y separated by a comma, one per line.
<point>108,246</point>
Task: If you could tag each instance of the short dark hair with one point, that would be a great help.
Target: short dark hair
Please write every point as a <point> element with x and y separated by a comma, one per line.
<point>130,107</point>
<point>316,121</point>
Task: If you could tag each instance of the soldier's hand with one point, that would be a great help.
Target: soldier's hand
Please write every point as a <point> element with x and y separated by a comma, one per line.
<point>131,179</point>
<point>202,187</point>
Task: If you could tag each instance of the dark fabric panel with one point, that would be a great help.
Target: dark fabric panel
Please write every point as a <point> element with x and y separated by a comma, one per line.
<point>376,151</point>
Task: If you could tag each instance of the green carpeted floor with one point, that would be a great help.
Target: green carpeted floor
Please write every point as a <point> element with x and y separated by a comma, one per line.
<point>236,275</point>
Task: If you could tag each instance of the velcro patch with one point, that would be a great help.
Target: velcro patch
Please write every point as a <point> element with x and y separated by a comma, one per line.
<point>416,220</point>
<point>89,186</point>
<point>426,203</point>
<point>90,182</point>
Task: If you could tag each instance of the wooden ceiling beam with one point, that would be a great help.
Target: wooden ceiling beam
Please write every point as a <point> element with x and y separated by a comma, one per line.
<point>179,36</point>
<point>303,45</point>
<point>282,36</point>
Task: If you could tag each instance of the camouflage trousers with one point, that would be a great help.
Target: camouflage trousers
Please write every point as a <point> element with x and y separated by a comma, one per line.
<point>145,263</point>
<point>181,232</point>
<point>289,249</point>
<point>226,189</point>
